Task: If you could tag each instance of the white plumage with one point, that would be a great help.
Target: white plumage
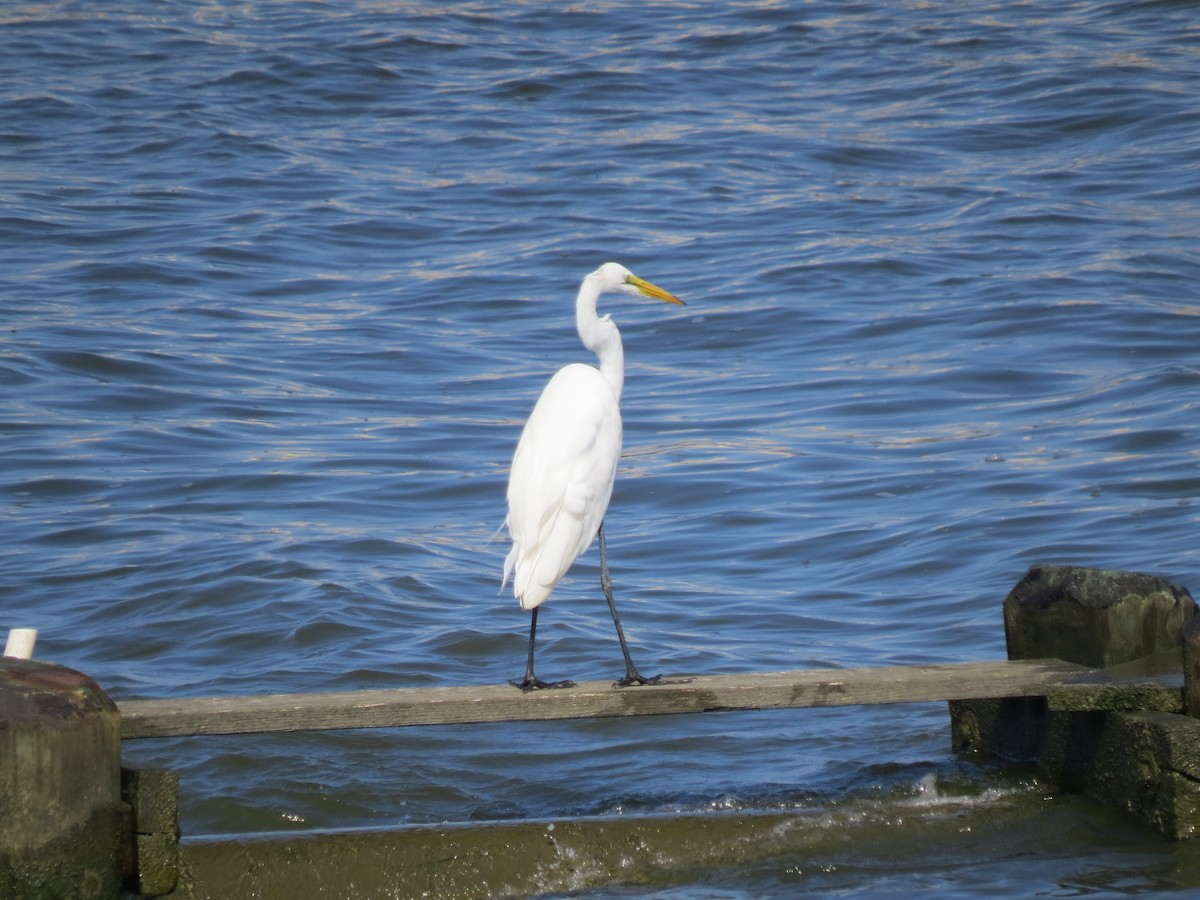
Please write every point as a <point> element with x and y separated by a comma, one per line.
<point>559,489</point>
<point>566,460</point>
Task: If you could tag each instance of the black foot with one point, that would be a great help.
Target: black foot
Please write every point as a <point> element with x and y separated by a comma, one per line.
<point>634,678</point>
<point>536,684</point>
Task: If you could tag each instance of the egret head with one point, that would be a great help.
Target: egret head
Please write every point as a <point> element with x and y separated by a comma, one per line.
<point>615,278</point>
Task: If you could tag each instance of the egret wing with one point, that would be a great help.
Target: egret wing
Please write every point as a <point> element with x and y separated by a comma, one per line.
<point>561,481</point>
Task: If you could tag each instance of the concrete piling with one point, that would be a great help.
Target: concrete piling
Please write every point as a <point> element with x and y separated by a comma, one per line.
<point>63,826</point>
<point>153,799</point>
<point>1094,617</point>
<point>1191,667</point>
<point>1138,759</point>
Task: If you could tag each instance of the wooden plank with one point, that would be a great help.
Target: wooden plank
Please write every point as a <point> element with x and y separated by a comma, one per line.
<point>594,699</point>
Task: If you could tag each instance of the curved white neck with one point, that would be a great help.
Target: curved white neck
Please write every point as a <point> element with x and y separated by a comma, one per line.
<point>600,335</point>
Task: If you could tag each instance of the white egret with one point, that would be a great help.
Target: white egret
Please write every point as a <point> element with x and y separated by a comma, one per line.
<point>566,461</point>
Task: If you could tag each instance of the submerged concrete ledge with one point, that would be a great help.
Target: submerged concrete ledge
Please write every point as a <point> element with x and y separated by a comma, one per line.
<point>497,859</point>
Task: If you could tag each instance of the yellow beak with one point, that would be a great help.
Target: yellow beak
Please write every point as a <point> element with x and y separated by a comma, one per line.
<point>653,290</point>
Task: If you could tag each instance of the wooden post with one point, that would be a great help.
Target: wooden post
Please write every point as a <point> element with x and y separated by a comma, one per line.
<point>1136,760</point>
<point>63,826</point>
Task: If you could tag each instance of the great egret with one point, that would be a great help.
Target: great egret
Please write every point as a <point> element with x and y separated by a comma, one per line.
<point>566,461</point>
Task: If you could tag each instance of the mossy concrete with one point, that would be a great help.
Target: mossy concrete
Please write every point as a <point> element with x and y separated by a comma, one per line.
<point>153,799</point>
<point>1143,757</point>
<point>63,827</point>
<point>499,859</point>
<point>1094,617</point>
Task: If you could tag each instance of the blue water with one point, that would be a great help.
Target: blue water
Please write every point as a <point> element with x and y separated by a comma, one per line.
<point>281,281</point>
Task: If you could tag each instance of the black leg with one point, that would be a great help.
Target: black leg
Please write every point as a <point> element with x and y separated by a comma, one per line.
<point>631,674</point>
<point>531,683</point>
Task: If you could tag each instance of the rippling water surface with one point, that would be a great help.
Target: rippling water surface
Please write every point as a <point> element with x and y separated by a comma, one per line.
<point>281,281</point>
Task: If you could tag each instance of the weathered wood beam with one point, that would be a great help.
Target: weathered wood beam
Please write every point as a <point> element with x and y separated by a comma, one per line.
<point>594,699</point>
